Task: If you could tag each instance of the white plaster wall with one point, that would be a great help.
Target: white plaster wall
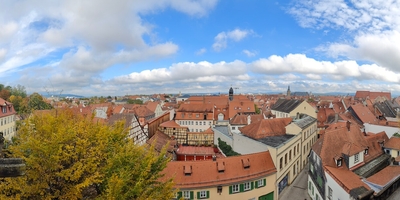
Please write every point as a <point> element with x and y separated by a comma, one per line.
<point>245,145</point>
<point>360,159</point>
<point>377,128</point>
<point>337,191</point>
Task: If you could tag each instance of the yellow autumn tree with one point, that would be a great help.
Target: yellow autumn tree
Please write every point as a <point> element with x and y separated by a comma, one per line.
<point>68,156</point>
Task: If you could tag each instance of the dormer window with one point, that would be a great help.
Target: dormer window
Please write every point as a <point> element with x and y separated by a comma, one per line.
<point>220,167</point>
<point>187,170</point>
<point>366,151</point>
<point>246,163</point>
<point>381,142</point>
<point>339,161</point>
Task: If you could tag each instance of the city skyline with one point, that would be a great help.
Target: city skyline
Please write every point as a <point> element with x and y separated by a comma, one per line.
<point>143,47</point>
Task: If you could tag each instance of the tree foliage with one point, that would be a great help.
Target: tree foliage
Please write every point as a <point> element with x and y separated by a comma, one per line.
<point>134,101</point>
<point>69,156</point>
<point>226,148</point>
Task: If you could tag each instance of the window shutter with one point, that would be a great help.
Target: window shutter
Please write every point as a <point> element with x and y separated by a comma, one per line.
<point>179,195</point>
<point>256,184</point>
<point>191,195</point>
<point>252,185</point>
<point>241,187</point>
<point>230,189</point>
<point>265,182</point>
<point>198,195</point>
<point>208,194</point>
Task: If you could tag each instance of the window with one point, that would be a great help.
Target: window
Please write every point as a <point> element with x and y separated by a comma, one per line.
<point>339,162</point>
<point>235,188</point>
<point>233,128</point>
<point>203,194</point>
<point>247,186</point>
<point>356,158</point>
<point>285,159</point>
<point>260,183</point>
<point>280,163</point>
<point>330,193</point>
<point>290,155</point>
<point>186,194</point>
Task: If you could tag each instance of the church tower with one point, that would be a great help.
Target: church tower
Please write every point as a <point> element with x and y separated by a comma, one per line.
<point>288,92</point>
<point>231,94</point>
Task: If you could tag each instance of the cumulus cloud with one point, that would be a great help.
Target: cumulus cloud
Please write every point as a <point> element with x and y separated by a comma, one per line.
<point>222,38</point>
<point>189,71</point>
<point>84,37</point>
<point>311,68</point>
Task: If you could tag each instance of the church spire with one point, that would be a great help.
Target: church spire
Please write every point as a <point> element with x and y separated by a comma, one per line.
<point>288,92</point>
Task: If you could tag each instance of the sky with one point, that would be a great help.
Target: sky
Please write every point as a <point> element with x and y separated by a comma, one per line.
<point>105,47</point>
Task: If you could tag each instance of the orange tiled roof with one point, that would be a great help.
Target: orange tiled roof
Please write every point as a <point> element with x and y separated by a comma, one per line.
<point>170,124</point>
<point>393,143</point>
<point>205,173</point>
<point>193,150</point>
<point>242,119</point>
<point>266,128</point>
<point>364,114</point>
<point>10,108</point>
<point>152,105</point>
<point>347,178</point>
<point>159,139</point>
<point>237,106</point>
<point>143,111</point>
<point>372,95</point>
<point>336,140</point>
<point>384,176</point>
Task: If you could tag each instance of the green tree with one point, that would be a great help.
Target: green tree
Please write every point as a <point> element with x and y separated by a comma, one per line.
<point>69,156</point>
<point>134,101</point>
<point>36,102</point>
<point>19,90</point>
<point>258,111</point>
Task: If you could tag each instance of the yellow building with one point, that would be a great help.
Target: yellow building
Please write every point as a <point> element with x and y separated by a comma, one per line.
<point>201,138</point>
<point>249,176</point>
<point>392,147</point>
<point>291,107</point>
<point>7,119</point>
<point>175,131</point>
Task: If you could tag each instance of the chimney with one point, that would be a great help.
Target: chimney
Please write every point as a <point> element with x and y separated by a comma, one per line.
<point>248,119</point>
<point>348,125</point>
<point>297,115</point>
<point>336,117</point>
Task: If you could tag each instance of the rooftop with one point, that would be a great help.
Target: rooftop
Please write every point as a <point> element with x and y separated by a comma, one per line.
<point>276,141</point>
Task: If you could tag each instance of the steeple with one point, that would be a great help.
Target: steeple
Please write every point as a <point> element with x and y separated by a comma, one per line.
<point>231,94</point>
<point>288,92</point>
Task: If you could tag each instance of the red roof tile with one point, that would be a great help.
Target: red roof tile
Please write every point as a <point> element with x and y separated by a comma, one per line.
<point>266,127</point>
<point>393,143</point>
<point>347,178</point>
<point>205,173</point>
<point>384,176</point>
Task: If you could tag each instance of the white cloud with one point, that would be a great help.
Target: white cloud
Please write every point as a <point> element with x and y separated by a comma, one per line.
<point>201,51</point>
<point>356,15</point>
<point>189,72</point>
<point>2,54</point>
<point>249,53</point>
<point>299,63</point>
<point>221,40</point>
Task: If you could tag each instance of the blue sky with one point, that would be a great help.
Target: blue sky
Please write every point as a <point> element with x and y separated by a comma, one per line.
<point>171,46</point>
